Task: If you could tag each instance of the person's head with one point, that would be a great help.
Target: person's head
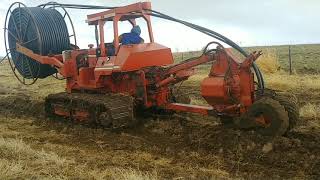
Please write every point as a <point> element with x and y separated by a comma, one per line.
<point>136,30</point>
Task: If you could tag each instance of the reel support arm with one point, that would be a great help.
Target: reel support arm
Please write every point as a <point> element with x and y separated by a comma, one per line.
<point>55,61</point>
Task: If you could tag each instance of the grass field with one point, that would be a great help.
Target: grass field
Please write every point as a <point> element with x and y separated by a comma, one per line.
<point>305,58</point>
<point>197,147</point>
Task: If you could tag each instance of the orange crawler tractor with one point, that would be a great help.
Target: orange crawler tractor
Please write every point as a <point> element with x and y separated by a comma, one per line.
<point>110,90</point>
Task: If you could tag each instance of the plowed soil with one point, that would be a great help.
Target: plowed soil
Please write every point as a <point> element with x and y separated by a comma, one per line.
<point>182,146</point>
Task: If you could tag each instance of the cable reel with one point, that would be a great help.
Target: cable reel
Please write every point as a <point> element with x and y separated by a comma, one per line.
<point>41,29</point>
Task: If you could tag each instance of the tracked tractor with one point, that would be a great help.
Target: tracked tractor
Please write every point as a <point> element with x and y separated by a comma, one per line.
<point>111,90</point>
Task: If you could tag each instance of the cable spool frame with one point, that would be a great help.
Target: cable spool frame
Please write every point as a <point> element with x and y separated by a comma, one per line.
<point>19,34</point>
<point>20,77</point>
<point>55,5</point>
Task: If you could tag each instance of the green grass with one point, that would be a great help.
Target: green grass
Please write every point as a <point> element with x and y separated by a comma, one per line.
<point>305,58</point>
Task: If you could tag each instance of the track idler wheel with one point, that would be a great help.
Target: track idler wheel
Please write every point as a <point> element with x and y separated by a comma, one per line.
<point>267,116</point>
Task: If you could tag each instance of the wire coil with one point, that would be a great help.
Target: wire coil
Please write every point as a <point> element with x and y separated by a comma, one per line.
<point>44,31</point>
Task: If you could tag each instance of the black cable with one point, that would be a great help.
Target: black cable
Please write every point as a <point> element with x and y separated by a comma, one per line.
<point>216,36</point>
<point>44,31</point>
<point>75,6</point>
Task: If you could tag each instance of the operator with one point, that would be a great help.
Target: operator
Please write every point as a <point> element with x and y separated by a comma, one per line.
<point>132,37</point>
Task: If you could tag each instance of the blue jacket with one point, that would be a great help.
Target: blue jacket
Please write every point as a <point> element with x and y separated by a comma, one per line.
<point>130,38</point>
<point>133,37</point>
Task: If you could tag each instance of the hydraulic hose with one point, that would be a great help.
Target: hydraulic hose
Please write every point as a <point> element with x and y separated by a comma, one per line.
<point>75,6</point>
<point>216,36</point>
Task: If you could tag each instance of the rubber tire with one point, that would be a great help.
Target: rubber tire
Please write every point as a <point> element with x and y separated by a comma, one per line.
<point>290,103</point>
<point>280,120</point>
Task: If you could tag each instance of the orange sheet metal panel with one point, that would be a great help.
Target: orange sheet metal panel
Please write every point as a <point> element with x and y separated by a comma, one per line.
<point>135,57</point>
<point>137,7</point>
<point>213,90</point>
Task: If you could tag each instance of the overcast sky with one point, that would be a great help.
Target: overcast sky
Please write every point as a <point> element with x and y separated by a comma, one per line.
<point>247,22</point>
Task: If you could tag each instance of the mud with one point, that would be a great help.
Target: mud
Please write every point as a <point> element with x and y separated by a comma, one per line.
<point>184,146</point>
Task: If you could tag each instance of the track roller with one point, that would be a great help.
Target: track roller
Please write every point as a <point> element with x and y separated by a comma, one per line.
<point>107,110</point>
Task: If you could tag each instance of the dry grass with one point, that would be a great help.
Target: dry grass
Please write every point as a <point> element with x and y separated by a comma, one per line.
<point>311,111</point>
<point>300,83</point>
<point>268,61</point>
<point>121,174</point>
<point>39,90</point>
<point>18,159</point>
<point>279,81</point>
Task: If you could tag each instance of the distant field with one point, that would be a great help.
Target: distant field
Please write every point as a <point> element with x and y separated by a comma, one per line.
<point>305,58</point>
